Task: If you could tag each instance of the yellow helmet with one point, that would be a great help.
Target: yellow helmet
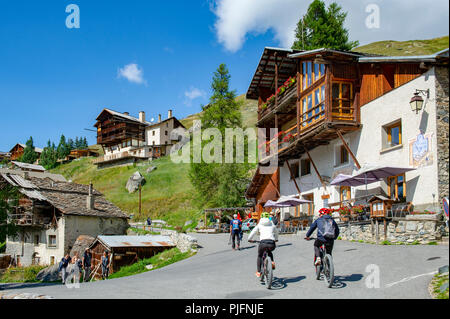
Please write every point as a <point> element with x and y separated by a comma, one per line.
<point>265,215</point>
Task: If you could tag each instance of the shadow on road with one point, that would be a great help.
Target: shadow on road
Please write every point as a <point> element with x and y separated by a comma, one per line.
<point>284,245</point>
<point>281,283</point>
<point>248,247</point>
<point>339,281</point>
<point>20,285</point>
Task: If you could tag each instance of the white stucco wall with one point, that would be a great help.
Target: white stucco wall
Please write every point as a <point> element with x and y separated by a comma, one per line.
<point>366,144</point>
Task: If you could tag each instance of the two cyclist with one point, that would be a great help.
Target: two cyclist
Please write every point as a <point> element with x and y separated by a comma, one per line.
<point>327,233</point>
<point>268,235</point>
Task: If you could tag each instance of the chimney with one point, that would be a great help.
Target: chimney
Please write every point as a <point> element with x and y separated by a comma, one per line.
<point>170,114</point>
<point>142,116</point>
<point>126,113</point>
<point>159,118</point>
<point>90,198</point>
<point>26,175</point>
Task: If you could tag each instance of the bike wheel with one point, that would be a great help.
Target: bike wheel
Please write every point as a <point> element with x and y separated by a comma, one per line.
<point>318,271</point>
<point>329,270</point>
<point>269,272</point>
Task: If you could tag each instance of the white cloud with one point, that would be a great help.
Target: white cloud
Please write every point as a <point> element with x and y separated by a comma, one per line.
<point>132,73</point>
<point>192,94</point>
<point>399,20</point>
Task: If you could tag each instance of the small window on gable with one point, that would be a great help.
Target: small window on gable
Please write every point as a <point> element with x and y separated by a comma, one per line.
<point>52,241</point>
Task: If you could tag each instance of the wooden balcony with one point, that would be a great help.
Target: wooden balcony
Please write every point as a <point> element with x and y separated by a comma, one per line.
<point>28,219</point>
<point>314,128</point>
<point>286,103</point>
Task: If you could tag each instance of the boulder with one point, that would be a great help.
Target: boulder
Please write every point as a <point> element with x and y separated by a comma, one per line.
<point>151,169</point>
<point>49,274</point>
<point>80,245</point>
<point>134,181</point>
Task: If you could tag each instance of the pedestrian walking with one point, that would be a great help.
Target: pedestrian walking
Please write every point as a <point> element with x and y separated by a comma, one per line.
<point>63,267</point>
<point>235,229</point>
<point>87,264</point>
<point>105,265</point>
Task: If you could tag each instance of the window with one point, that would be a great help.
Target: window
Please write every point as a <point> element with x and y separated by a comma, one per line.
<point>342,96</point>
<point>311,72</point>
<point>313,106</point>
<point>295,167</point>
<point>341,155</point>
<point>153,133</point>
<point>52,241</point>
<point>165,133</point>
<point>394,134</point>
<point>36,240</point>
<point>305,167</point>
<point>344,193</point>
<point>397,187</point>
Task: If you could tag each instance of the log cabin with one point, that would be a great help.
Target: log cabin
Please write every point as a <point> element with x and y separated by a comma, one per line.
<point>336,111</point>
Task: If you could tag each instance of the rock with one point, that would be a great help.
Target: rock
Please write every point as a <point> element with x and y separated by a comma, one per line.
<point>80,245</point>
<point>151,169</point>
<point>26,295</point>
<point>443,269</point>
<point>149,267</point>
<point>188,223</point>
<point>49,274</point>
<point>411,226</point>
<point>134,181</point>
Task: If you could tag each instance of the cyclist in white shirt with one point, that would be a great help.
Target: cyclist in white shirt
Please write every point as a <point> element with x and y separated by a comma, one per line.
<point>268,235</point>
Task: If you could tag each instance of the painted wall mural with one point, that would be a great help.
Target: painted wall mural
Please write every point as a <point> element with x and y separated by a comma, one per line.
<point>420,154</point>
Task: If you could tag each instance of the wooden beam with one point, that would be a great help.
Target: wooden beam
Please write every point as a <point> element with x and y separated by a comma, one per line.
<point>315,168</point>
<point>275,186</point>
<point>348,149</point>
<point>293,178</point>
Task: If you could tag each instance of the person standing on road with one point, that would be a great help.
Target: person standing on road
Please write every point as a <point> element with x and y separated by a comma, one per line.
<point>268,235</point>
<point>235,230</point>
<point>105,265</point>
<point>327,233</point>
<point>87,264</point>
<point>63,267</point>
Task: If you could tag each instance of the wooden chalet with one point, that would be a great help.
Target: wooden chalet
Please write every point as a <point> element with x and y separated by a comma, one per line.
<point>315,97</point>
<point>17,151</point>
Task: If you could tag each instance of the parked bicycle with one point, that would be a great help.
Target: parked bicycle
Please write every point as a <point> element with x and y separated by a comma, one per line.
<point>326,267</point>
<point>267,270</point>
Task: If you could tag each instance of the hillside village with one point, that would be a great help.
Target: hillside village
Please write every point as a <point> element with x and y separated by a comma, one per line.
<point>342,117</point>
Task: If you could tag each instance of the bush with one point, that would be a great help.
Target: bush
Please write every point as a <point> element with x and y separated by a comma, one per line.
<point>2,247</point>
<point>21,274</point>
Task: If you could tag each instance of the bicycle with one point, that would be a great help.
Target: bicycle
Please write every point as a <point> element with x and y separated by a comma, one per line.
<point>326,266</point>
<point>267,271</point>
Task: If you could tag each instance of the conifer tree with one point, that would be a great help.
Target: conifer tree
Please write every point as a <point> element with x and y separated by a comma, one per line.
<point>323,28</point>
<point>29,154</point>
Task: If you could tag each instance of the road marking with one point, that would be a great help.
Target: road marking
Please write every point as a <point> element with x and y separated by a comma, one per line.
<point>410,278</point>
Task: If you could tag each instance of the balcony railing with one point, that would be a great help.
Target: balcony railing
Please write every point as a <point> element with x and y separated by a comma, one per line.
<point>286,96</point>
<point>28,219</point>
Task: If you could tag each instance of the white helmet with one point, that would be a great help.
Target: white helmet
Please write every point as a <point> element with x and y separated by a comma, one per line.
<point>235,215</point>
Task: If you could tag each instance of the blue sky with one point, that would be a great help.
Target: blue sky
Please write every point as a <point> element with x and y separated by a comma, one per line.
<point>56,80</point>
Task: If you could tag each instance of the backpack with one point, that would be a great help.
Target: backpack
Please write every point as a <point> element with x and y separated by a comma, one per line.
<point>329,230</point>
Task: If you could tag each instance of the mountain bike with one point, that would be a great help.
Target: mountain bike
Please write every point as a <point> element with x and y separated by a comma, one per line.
<point>267,270</point>
<point>326,267</point>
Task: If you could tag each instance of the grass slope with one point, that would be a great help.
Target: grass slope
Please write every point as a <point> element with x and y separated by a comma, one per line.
<point>167,193</point>
<point>248,111</point>
<point>404,48</point>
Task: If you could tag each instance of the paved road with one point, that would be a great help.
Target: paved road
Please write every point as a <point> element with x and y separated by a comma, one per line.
<point>218,272</point>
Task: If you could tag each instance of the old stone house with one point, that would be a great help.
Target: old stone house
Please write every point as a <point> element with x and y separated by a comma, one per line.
<point>52,214</point>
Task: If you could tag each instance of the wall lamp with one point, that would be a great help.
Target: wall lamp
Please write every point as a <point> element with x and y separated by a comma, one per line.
<point>417,101</point>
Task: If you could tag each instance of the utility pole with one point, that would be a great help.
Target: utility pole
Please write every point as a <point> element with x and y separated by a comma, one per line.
<point>140,205</point>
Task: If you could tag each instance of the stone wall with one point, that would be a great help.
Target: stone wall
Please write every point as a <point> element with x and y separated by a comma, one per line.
<point>414,228</point>
<point>442,112</point>
<point>183,241</point>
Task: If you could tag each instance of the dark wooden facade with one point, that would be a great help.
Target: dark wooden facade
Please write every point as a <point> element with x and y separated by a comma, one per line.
<point>114,128</point>
<point>324,103</point>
